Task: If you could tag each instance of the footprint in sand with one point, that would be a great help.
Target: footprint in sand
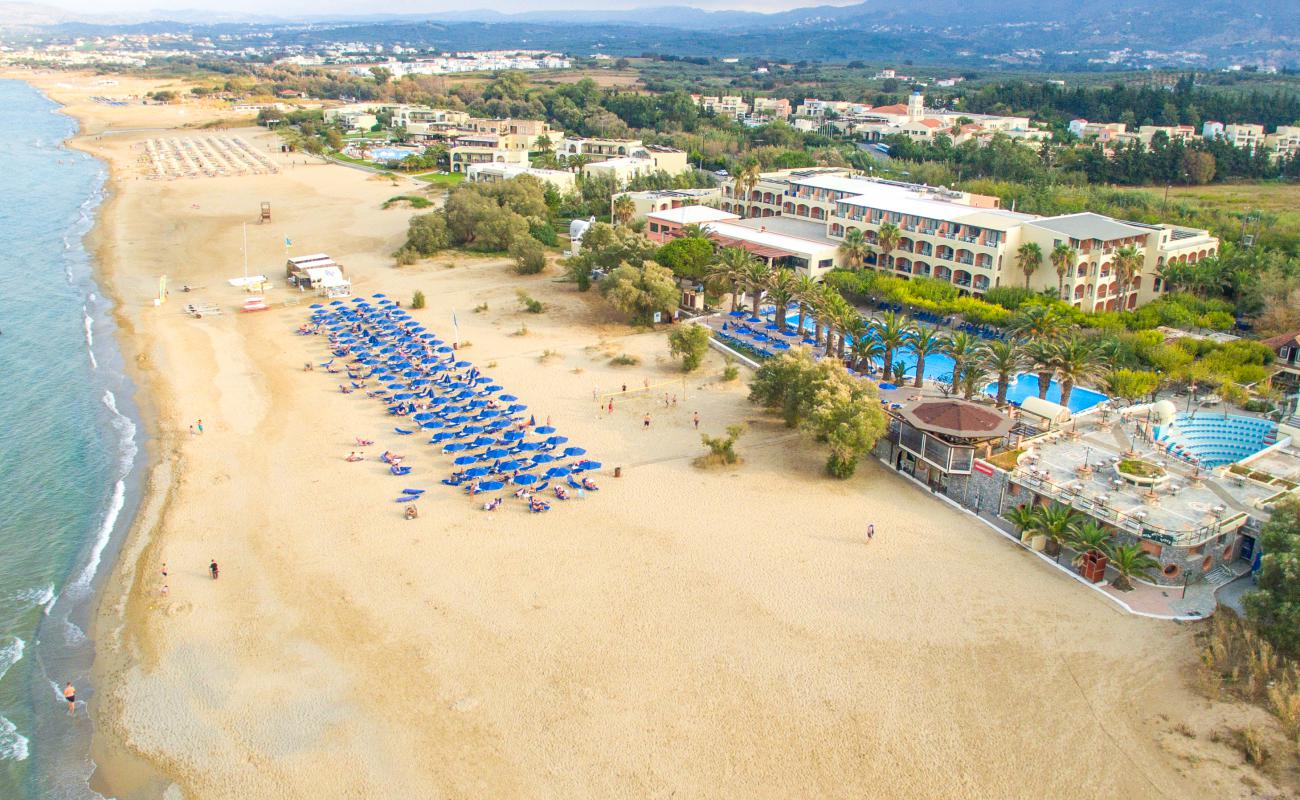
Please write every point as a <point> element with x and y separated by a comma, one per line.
<point>176,609</point>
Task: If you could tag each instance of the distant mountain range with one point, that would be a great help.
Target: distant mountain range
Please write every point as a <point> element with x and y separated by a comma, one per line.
<point>1026,33</point>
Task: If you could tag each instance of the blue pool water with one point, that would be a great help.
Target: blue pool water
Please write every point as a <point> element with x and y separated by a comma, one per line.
<point>67,443</point>
<point>1215,440</point>
<point>385,154</point>
<point>939,367</point>
<point>1026,385</point>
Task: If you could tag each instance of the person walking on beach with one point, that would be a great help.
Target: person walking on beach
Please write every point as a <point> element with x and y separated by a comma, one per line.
<point>214,569</point>
<point>70,695</point>
<point>696,419</point>
<point>611,405</point>
<point>164,571</point>
<point>871,532</point>
<point>645,424</point>
<point>200,427</point>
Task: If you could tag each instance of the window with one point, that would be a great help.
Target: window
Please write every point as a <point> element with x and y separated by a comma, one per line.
<point>654,227</point>
<point>826,263</point>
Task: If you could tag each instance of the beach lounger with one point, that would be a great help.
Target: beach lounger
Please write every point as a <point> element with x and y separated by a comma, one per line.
<point>413,491</point>
<point>400,470</point>
<point>402,431</point>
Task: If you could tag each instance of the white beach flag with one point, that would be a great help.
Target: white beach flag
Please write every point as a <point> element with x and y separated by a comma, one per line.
<point>455,326</point>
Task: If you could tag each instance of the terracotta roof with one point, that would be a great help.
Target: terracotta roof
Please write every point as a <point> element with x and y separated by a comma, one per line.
<point>897,108</point>
<point>957,418</point>
<point>1281,340</point>
<point>931,123</point>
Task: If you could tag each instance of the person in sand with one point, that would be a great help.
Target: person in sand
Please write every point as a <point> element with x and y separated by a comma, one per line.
<point>214,569</point>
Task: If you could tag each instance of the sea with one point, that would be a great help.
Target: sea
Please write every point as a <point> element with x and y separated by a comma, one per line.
<point>69,444</point>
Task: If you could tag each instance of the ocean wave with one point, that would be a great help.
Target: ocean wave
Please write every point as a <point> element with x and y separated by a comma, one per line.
<point>11,652</point>
<point>36,597</point>
<point>13,745</point>
<point>90,337</point>
<point>125,430</point>
<point>101,538</point>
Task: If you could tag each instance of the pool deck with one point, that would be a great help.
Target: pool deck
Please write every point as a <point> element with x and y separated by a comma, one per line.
<point>1184,504</point>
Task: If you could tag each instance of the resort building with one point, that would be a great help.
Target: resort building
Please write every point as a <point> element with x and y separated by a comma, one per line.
<point>1175,133</point>
<point>663,199</point>
<point>729,106</point>
<point>646,160</point>
<point>487,148</point>
<point>1244,136</point>
<point>780,241</point>
<point>772,107</point>
<point>560,180</point>
<point>967,239</point>
<point>1284,143</point>
<point>596,149</point>
<point>525,131</point>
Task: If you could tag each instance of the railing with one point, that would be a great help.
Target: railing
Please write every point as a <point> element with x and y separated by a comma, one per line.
<point>1126,521</point>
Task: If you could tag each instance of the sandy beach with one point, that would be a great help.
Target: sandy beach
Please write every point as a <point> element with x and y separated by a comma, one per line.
<point>682,632</point>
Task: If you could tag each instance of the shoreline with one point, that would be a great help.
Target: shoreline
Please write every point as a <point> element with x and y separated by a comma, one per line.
<point>114,583</point>
<point>683,631</point>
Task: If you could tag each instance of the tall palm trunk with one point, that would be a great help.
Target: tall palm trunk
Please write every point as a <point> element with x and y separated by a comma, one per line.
<point>735,296</point>
<point>920,370</point>
<point>1044,383</point>
<point>1067,386</point>
<point>802,309</point>
<point>1003,380</point>
<point>888,365</point>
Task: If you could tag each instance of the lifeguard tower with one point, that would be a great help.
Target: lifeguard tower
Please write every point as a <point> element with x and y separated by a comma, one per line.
<point>266,213</point>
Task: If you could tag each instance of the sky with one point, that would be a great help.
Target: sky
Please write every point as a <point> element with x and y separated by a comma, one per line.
<point>290,8</point>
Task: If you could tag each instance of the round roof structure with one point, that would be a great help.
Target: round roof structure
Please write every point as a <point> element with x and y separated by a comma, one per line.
<point>957,418</point>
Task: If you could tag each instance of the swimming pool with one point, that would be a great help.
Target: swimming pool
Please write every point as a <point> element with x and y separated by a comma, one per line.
<point>383,155</point>
<point>1026,385</point>
<point>938,367</point>
<point>1214,439</point>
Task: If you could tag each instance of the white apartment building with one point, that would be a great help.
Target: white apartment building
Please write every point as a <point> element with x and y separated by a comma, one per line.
<point>646,160</point>
<point>1284,142</point>
<point>729,106</point>
<point>967,239</point>
<point>487,148</point>
<point>645,202</point>
<point>595,148</point>
<point>492,172</point>
<point>1244,135</point>
<point>1175,133</point>
<point>772,107</point>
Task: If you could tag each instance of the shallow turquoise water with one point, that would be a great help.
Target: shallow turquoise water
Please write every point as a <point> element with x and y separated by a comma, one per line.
<point>67,444</point>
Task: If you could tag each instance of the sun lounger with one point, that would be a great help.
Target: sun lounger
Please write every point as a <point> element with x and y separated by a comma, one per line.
<point>402,431</point>
<point>400,470</point>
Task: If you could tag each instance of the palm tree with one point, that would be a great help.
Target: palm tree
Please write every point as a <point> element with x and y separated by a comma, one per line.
<point>623,209</point>
<point>866,348</point>
<point>729,268</point>
<point>692,230</point>
<point>1131,561</point>
<point>961,347</point>
<point>1029,257</point>
<point>748,177</point>
<point>1022,516</point>
<point>757,274</point>
<point>1128,263</point>
<point>1063,257</point>
<point>855,248</point>
<point>970,377</point>
<point>781,291</point>
<point>821,309</point>
<point>1078,360</point>
<point>844,315</point>
<point>887,239</point>
<point>894,331</point>
<point>926,341</point>
<point>805,290</point>
<point>1058,523</point>
<point>1088,537</point>
<point>1003,358</point>
<point>1037,321</point>
<point>1041,357</point>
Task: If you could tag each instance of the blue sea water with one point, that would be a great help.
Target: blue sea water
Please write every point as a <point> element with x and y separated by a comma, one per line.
<point>67,446</point>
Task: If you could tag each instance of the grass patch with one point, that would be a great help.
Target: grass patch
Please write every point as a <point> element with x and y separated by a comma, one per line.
<point>527,303</point>
<point>548,355</point>
<point>624,360</point>
<point>440,178</point>
<point>1139,468</point>
<point>413,200</point>
<point>1006,460</point>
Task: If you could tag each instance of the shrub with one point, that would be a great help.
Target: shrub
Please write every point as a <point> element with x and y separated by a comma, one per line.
<point>529,304</point>
<point>731,371</point>
<point>624,360</point>
<point>689,343</point>
<point>543,232</point>
<point>722,449</point>
<point>528,254</point>
<point>417,299</point>
<point>414,200</point>
<point>406,257</point>
<point>480,308</point>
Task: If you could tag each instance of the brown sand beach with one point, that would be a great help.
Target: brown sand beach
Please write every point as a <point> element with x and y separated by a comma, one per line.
<point>688,633</point>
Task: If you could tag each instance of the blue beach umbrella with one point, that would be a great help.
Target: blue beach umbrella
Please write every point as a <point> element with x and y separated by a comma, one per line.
<point>525,480</point>
<point>557,440</point>
<point>462,460</point>
<point>496,452</point>
<point>483,441</point>
<point>513,436</point>
<point>507,398</point>
<point>530,445</point>
<point>508,466</point>
<point>477,472</point>
<point>455,447</point>
<point>438,438</point>
<point>516,408</point>
<point>544,458</point>
<point>432,425</point>
<point>557,472</point>
<point>589,465</point>
<point>545,429</point>
<point>574,451</point>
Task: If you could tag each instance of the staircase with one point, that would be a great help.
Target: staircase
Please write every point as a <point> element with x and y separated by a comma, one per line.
<point>1225,573</point>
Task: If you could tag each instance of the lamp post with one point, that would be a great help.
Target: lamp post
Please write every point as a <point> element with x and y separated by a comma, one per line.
<point>1191,394</point>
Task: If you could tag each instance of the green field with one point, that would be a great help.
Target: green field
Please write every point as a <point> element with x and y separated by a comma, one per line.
<point>1278,203</point>
<point>444,179</point>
